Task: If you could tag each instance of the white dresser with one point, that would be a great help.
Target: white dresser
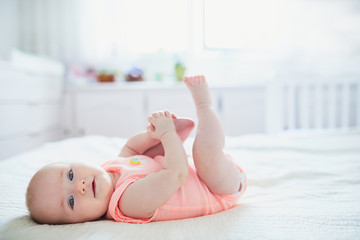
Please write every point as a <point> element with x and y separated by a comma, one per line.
<point>121,109</point>
<point>30,107</point>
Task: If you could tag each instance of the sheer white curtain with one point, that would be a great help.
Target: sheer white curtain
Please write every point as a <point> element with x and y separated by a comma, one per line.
<point>91,31</point>
<point>49,28</point>
<point>271,38</point>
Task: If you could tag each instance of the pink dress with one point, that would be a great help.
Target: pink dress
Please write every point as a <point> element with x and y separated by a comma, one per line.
<point>192,199</point>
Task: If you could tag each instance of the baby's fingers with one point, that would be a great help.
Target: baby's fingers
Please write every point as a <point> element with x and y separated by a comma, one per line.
<point>167,114</point>
<point>151,120</point>
<point>173,116</point>
<point>158,114</point>
<point>150,127</point>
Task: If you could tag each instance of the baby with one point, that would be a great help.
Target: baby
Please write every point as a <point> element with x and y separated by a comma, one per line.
<point>151,179</point>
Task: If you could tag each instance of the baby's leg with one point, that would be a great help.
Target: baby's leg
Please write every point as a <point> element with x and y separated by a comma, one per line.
<point>219,173</point>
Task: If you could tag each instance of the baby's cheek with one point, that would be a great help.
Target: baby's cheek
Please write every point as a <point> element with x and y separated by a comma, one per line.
<point>101,206</point>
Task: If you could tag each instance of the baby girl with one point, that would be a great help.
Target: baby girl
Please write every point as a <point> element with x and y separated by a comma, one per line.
<point>151,179</point>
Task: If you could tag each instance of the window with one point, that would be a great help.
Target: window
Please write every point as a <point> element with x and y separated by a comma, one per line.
<point>240,24</point>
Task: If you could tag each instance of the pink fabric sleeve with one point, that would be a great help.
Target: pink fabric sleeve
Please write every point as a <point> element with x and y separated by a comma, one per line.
<point>114,210</point>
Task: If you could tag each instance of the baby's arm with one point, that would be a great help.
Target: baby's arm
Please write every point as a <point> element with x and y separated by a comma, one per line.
<point>138,145</point>
<point>143,197</point>
<point>143,144</point>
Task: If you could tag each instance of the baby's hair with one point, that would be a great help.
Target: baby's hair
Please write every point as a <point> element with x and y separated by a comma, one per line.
<point>28,197</point>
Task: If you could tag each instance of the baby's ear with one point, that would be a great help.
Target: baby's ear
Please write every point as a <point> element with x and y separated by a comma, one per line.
<point>184,126</point>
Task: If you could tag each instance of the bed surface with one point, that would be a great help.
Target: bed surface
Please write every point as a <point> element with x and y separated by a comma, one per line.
<point>301,186</point>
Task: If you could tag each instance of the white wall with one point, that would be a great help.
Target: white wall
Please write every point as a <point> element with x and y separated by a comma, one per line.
<point>9,27</point>
<point>321,39</point>
<point>309,39</point>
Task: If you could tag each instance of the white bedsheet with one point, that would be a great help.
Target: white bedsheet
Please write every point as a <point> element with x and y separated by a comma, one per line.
<point>301,186</point>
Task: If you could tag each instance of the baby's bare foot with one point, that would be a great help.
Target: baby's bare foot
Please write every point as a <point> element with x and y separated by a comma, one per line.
<point>199,90</point>
<point>183,127</point>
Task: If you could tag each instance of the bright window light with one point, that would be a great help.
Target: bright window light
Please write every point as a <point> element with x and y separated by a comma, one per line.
<point>156,25</point>
<point>239,24</point>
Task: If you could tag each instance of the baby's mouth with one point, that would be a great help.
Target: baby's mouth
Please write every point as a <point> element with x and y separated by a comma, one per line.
<point>94,187</point>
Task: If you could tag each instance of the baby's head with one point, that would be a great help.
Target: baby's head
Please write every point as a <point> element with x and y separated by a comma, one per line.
<point>69,193</point>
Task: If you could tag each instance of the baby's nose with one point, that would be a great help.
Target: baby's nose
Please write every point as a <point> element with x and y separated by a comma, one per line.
<point>81,187</point>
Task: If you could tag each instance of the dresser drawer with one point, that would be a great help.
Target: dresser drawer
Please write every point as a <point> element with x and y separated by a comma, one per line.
<point>110,113</point>
<point>26,86</point>
<point>12,146</point>
<point>22,119</point>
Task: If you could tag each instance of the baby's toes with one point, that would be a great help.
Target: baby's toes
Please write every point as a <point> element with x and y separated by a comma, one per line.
<point>156,114</point>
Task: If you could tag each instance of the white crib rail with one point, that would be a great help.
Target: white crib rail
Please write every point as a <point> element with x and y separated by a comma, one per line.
<point>305,105</point>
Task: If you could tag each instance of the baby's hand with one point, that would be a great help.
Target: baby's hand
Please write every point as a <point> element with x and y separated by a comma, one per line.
<point>160,123</point>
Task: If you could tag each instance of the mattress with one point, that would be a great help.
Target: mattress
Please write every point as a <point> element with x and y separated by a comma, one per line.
<point>301,186</point>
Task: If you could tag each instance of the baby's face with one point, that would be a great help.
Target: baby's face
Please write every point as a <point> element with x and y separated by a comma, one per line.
<point>70,192</point>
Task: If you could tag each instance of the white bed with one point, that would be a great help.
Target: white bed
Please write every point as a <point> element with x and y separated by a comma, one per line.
<point>301,186</point>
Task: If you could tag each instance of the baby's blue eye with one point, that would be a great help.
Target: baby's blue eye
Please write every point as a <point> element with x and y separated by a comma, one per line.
<point>71,175</point>
<point>71,202</point>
